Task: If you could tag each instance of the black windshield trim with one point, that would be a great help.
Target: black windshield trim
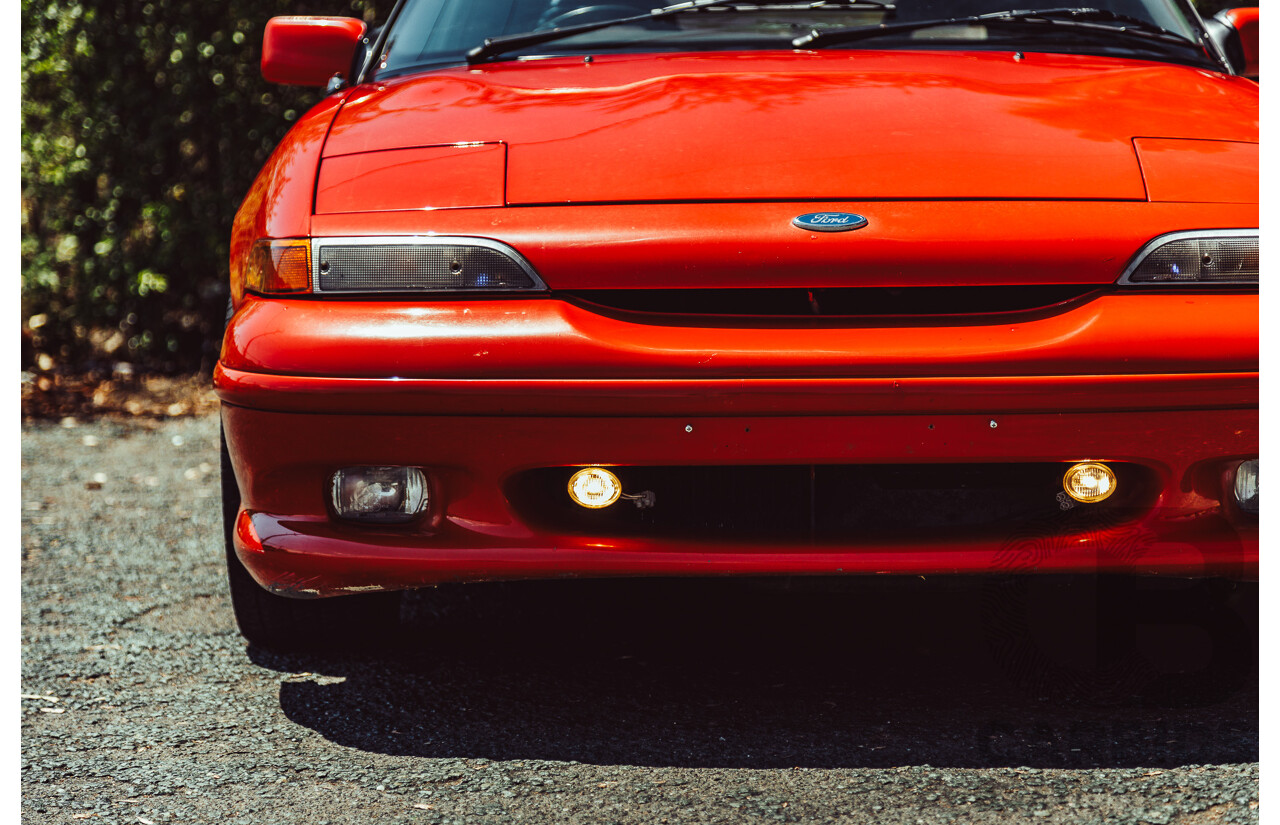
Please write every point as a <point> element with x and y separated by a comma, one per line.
<point>379,45</point>
<point>1152,55</point>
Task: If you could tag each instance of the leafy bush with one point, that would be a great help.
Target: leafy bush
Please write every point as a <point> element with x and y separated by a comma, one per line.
<point>143,124</point>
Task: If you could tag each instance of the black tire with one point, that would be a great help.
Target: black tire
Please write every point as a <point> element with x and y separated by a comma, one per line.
<point>285,625</point>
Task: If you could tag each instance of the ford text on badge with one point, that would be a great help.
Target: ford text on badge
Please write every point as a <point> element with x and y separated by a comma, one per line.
<point>829,221</point>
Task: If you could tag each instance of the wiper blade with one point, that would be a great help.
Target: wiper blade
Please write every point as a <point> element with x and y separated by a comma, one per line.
<point>494,46</point>
<point>1073,17</point>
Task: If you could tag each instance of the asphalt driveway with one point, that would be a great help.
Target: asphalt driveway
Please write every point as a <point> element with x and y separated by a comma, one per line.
<point>1055,700</point>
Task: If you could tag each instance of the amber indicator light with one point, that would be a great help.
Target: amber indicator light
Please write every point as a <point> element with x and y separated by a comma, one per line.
<point>277,267</point>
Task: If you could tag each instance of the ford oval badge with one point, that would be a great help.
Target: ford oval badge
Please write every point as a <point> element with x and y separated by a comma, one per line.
<point>829,221</point>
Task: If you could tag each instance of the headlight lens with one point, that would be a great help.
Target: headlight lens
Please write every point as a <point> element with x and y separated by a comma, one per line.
<point>420,264</point>
<point>1221,256</point>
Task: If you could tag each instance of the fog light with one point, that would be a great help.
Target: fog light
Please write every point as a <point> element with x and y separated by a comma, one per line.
<point>1247,486</point>
<point>1089,482</point>
<point>594,487</point>
<point>386,495</point>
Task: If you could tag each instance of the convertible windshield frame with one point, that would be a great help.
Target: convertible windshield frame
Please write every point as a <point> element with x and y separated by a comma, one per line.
<point>377,50</point>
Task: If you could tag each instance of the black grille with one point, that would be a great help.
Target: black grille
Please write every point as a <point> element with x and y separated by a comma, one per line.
<point>841,302</point>
<point>844,504</point>
<point>417,267</point>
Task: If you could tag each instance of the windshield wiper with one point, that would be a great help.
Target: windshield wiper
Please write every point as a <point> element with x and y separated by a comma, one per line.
<point>1078,18</point>
<point>494,46</point>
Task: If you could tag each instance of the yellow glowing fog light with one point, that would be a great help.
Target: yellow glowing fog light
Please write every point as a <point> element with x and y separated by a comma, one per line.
<point>1089,482</point>
<point>594,487</point>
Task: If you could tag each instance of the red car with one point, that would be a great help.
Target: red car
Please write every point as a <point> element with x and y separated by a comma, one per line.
<point>548,289</point>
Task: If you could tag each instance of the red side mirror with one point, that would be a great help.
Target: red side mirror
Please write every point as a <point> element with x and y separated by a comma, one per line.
<point>1245,22</point>
<point>307,51</point>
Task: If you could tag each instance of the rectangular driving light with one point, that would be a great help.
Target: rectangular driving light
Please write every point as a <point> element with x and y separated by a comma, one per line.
<point>379,495</point>
<point>1246,486</point>
<point>413,264</point>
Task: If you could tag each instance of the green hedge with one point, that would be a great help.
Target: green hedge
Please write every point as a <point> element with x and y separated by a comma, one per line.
<point>143,124</point>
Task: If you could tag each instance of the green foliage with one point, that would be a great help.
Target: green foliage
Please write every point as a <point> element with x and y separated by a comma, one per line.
<point>143,124</point>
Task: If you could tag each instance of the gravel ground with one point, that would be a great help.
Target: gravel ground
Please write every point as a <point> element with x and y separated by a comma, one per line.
<point>907,701</point>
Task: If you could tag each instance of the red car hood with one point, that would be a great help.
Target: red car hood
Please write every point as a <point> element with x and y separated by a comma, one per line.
<point>834,125</point>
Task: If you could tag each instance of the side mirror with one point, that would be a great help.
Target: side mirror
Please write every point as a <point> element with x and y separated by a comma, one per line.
<point>309,51</point>
<point>1236,31</point>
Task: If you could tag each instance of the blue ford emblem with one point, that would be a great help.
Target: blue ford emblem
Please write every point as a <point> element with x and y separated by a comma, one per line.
<point>830,221</point>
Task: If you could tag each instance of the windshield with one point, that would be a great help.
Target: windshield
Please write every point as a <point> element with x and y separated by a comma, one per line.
<point>440,32</point>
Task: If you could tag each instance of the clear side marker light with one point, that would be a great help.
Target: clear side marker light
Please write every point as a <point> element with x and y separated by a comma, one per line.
<point>1089,482</point>
<point>1246,486</point>
<point>382,495</point>
<point>594,487</point>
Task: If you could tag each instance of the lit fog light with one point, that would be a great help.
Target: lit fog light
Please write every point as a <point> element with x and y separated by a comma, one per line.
<point>1089,482</point>
<point>379,494</point>
<point>1247,486</point>
<point>594,487</point>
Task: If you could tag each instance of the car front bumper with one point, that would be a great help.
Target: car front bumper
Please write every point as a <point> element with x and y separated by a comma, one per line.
<point>288,432</point>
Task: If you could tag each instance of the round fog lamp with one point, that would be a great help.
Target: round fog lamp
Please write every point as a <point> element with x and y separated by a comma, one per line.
<point>1089,482</point>
<point>594,487</point>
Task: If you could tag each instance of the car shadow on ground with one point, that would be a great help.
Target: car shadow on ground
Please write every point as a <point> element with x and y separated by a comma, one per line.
<point>1042,672</point>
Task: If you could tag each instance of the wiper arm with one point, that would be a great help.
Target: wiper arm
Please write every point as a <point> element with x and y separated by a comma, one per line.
<point>494,46</point>
<point>1075,17</point>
